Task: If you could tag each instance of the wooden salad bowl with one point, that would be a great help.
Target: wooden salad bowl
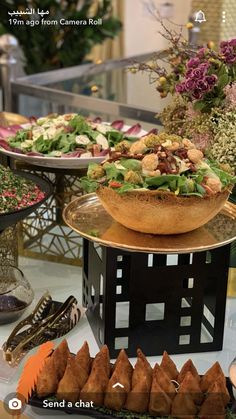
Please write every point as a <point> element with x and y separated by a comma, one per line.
<point>159,212</point>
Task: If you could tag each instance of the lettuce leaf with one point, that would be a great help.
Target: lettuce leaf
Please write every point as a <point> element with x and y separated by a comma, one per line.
<point>131,164</point>
<point>225,178</point>
<point>112,172</point>
<point>89,185</point>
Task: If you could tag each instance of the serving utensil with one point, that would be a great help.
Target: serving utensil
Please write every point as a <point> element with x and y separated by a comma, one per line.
<point>229,209</point>
<point>48,321</point>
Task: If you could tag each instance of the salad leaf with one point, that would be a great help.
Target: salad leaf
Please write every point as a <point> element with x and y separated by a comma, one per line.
<point>41,145</point>
<point>79,124</point>
<point>114,137</point>
<point>89,185</point>
<point>131,164</point>
<point>127,187</point>
<point>225,177</point>
<point>200,189</point>
<point>112,172</point>
<point>160,180</point>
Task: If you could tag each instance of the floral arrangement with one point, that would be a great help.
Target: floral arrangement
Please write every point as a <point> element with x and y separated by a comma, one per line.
<point>203,84</point>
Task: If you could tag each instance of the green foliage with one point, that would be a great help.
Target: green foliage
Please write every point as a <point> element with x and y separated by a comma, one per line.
<point>48,47</point>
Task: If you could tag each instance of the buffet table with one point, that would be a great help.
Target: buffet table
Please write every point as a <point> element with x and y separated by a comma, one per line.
<point>170,291</point>
<point>52,272</point>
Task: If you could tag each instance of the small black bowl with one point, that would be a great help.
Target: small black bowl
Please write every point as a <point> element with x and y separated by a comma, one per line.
<point>11,218</point>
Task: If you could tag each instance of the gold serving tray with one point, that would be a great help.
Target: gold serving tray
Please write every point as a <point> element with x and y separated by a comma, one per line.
<point>9,118</point>
<point>87,217</point>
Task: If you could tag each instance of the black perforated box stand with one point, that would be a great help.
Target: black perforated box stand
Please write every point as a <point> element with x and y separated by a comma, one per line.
<point>155,302</point>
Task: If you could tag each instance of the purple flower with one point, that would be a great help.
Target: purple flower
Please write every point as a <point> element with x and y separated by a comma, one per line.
<point>189,84</point>
<point>211,80</point>
<point>232,43</point>
<point>228,51</point>
<point>204,66</point>
<point>223,44</point>
<point>201,53</point>
<point>202,86</point>
<point>193,62</point>
<point>180,88</point>
<point>196,94</point>
<point>188,73</point>
<point>197,73</point>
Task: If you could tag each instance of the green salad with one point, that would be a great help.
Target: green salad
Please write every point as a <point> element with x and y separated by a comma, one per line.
<point>164,163</point>
<point>56,136</point>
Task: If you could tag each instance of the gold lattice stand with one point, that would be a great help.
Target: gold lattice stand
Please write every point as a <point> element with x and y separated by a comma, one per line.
<point>43,235</point>
<point>9,247</point>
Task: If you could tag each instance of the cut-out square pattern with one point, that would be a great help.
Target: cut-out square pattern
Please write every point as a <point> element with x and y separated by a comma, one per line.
<point>188,282</point>
<point>122,314</point>
<point>206,336</point>
<point>186,302</point>
<point>208,257</point>
<point>183,304</point>
<point>118,289</point>
<point>119,273</point>
<point>122,342</point>
<point>185,321</point>
<point>155,311</point>
<point>172,260</point>
<point>208,315</point>
<point>184,339</point>
<point>150,260</point>
<point>101,282</point>
<point>98,249</point>
<point>101,335</point>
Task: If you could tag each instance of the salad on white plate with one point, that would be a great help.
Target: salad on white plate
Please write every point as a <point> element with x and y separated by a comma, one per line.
<point>53,139</point>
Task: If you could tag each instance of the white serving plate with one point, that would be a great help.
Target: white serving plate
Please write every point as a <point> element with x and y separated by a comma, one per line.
<point>61,162</point>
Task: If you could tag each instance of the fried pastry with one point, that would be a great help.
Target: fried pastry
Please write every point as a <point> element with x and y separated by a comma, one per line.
<point>138,398</point>
<point>47,381</point>
<point>97,382</point>
<point>83,357</point>
<point>68,387</point>
<point>115,397</point>
<point>213,407</point>
<point>169,366</point>
<point>160,402</point>
<point>72,381</point>
<point>188,366</point>
<point>183,406</point>
<point>164,381</point>
<point>211,376</point>
<point>190,385</point>
<point>219,387</point>
<point>60,357</point>
<point>142,369</point>
<point>124,358</point>
<point>103,359</point>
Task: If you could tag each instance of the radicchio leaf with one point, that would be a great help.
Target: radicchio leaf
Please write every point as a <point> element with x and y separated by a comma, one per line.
<point>34,153</point>
<point>104,152</point>
<point>7,132</point>
<point>152,131</point>
<point>97,120</point>
<point>118,124</point>
<point>72,154</point>
<point>135,129</point>
<point>4,144</point>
